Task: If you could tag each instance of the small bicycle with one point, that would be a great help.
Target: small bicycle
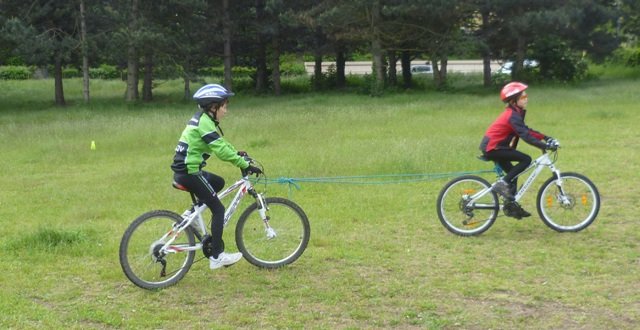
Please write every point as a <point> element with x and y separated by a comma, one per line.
<point>566,202</point>
<point>158,248</point>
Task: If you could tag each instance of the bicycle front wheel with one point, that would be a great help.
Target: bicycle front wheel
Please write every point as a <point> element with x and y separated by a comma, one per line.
<point>571,207</point>
<point>461,216</point>
<point>141,259</point>
<point>280,240</point>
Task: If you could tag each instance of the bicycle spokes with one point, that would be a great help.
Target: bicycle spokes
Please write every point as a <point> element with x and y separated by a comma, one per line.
<point>466,206</point>
<point>145,257</point>
<point>279,240</point>
<point>571,206</point>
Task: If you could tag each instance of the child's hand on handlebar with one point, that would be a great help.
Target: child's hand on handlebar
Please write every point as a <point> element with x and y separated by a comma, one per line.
<point>251,170</point>
<point>552,144</point>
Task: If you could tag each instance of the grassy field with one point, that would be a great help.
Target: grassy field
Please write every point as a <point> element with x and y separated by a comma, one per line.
<point>378,256</point>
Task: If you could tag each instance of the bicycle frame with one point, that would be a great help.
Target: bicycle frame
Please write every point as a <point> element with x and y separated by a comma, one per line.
<point>537,166</point>
<point>194,214</point>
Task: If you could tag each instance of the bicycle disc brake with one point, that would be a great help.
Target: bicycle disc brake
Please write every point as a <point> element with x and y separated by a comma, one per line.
<point>567,201</point>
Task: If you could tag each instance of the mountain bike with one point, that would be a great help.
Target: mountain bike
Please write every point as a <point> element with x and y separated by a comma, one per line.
<point>566,202</point>
<point>159,247</point>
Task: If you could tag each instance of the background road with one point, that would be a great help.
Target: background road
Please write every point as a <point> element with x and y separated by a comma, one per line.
<point>464,66</point>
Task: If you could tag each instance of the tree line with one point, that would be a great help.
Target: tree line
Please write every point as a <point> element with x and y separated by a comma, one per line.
<point>143,35</point>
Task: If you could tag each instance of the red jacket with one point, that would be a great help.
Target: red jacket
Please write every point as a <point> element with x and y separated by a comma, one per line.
<point>505,131</point>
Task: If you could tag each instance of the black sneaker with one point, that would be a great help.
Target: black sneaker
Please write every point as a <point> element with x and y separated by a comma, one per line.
<point>511,210</point>
<point>514,210</point>
<point>523,213</point>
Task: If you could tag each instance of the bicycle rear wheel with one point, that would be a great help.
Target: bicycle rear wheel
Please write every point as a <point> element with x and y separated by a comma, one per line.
<point>570,208</point>
<point>458,214</point>
<point>140,256</point>
<point>279,244</point>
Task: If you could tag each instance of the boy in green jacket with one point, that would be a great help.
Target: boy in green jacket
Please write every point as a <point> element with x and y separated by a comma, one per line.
<point>200,139</point>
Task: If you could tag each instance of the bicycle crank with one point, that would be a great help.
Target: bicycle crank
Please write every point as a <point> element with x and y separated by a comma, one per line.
<point>207,246</point>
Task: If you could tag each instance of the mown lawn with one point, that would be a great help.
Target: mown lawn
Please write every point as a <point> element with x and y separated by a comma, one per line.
<point>378,256</point>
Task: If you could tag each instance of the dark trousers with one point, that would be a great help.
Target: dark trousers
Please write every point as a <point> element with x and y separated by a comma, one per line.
<point>504,158</point>
<point>205,186</point>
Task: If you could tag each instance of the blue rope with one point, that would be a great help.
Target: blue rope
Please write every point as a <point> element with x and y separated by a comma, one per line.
<point>370,179</point>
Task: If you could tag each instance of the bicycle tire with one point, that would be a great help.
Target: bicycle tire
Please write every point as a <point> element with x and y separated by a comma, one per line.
<point>579,209</point>
<point>463,219</point>
<point>138,251</point>
<point>290,224</point>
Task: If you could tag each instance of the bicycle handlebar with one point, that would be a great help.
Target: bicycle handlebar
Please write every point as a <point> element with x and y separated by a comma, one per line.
<point>553,144</point>
<point>252,163</point>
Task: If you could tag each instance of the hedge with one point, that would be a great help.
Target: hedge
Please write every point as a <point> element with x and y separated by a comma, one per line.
<point>17,72</point>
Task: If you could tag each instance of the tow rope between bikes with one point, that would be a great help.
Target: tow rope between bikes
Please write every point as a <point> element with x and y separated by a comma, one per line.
<point>368,179</point>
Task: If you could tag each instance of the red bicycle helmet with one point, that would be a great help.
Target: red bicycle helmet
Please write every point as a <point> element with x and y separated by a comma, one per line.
<point>511,89</point>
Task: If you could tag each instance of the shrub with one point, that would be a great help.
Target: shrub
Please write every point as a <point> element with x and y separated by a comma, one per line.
<point>104,71</point>
<point>628,56</point>
<point>292,69</point>
<point>327,80</point>
<point>166,71</point>
<point>70,73</point>
<point>295,85</point>
<point>558,61</point>
<point>237,71</point>
<point>18,72</point>
<point>243,85</point>
<point>14,61</point>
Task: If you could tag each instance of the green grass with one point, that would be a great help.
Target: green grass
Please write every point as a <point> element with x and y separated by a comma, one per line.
<point>378,256</point>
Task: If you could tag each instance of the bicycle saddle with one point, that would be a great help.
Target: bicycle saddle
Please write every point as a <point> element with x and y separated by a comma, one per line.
<point>179,186</point>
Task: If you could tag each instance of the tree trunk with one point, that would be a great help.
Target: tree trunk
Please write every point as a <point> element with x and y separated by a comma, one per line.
<point>520,54</point>
<point>147,84</point>
<point>275,71</point>
<point>486,52</point>
<point>317,71</point>
<point>486,70</point>
<point>520,48</point>
<point>85,55</point>
<point>317,58</point>
<point>59,90</point>
<point>132,56</point>
<point>376,50</point>
<point>261,56</point>
<point>187,87</point>
<point>393,74</point>
<point>340,66</point>
<point>405,59</point>
<point>439,64</point>
<point>226,35</point>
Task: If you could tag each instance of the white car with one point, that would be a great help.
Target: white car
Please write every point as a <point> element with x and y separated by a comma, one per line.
<point>508,65</point>
<point>421,69</point>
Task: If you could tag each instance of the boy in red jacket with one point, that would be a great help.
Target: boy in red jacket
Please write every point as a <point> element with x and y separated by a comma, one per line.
<point>501,139</point>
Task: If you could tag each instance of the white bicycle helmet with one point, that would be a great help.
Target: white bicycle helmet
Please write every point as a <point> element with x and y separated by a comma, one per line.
<point>211,93</point>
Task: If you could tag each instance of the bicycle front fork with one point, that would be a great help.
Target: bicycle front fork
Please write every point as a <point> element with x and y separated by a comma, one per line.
<point>262,210</point>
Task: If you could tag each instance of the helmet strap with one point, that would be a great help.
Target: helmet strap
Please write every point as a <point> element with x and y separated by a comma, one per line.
<point>212,113</point>
<point>513,99</point>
